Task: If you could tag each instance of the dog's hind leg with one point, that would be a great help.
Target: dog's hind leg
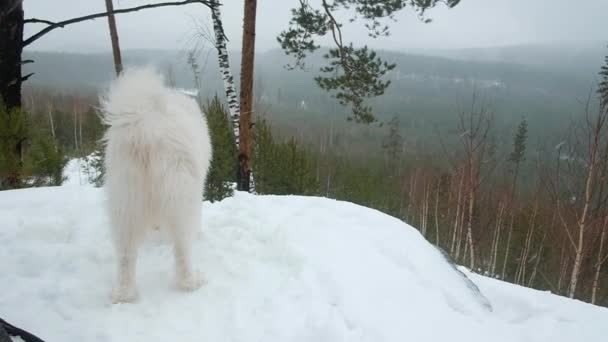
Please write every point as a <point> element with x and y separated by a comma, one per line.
<point>183,231</point>
<point>126,250</point>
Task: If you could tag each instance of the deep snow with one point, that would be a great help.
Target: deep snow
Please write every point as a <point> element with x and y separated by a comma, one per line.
<point>278,268</point>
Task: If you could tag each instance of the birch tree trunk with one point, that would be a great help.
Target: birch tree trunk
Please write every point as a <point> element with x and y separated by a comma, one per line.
<point>538,257</point>
<point>50,108</point>
<point>224,66</point>
<point>582,222</point>
<point>470,225</point>
<point>601,258</point>
<point>457,218</point>
<point>437,214</point>
<point>494,256</point>
<point>504,263</point>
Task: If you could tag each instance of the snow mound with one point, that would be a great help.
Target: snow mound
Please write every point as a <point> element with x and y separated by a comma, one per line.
<point>278,268</point>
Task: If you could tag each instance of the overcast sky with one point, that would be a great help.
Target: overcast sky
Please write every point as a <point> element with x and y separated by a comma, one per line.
<point>473,23</point>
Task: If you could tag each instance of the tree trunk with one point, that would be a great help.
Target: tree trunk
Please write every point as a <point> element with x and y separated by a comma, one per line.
<point>600,261</point>
<point>494,256</point>
<point>470,240</point>
<point>504,262</point>
<point>457,218</point>
<point>538,257</point>
<point>563,268</point>
<point>75,131</point>
<point>11,38</point>
<point>247,64</point>
<point>424,209</point>
<point>114,37</point>
<point>224,63</point>
<point>578,260</point>
<point>520,276</point>
<point>437,214</point>
<point>50,108</point>
<point>582,223</point>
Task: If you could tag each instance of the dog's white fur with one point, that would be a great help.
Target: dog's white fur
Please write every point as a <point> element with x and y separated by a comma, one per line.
<point>158,152</point>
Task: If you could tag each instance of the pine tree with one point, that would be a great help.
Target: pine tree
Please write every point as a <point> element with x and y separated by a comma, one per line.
<point>517,156</point>
<point>519,143</point>
<point>282,168</point>
<point>603,86</point>
<point>352,73</point>
<point>14,130</point>
<point>39,159</point>
<point>45,160</point>
<point>393,145</point>
<point>221,174</point>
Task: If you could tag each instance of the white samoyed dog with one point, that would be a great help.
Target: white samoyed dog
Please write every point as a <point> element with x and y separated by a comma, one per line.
<point>158,152</point>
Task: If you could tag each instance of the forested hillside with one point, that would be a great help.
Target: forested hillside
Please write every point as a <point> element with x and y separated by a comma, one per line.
<point>473,153</point>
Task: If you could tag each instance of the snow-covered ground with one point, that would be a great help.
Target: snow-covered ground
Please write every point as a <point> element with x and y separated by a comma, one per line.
<point>76,173</point>
<point>277,268</point>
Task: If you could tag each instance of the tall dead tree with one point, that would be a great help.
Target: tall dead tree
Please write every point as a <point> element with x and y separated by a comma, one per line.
<point>576,189</point>
<point>475,128</point>
<point>595,129</point>
<point>247,64</point>
<point>114,37</point>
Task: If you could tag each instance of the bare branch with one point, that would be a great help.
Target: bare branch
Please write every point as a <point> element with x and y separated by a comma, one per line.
<point>64,23</point>
<point>38,21</point>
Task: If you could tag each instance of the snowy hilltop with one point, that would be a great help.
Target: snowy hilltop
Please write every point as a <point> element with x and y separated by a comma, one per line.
<point>277,268</point>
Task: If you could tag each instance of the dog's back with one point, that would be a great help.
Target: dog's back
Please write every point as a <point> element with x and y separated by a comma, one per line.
<point>157,155</point>
<point>158,149</point>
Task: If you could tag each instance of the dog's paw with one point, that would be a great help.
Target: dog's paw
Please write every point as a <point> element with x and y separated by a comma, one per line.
<point>124,295</point>
<point>190,283</point>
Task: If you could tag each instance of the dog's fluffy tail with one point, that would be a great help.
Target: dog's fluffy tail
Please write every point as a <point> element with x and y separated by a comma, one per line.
<point>137,94</point>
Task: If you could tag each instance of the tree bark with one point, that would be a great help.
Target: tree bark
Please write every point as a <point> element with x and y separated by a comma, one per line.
<point>520,276</point>
<point>538,257</point>
<point>437,214</point>
<point>599,263</point>
<point>222,56</point>
<point>247,64</point>
<point>494,252</point>
<point>457,218</point>
<point>114,37</point>
<point>472,195</point>
<point>582,222</point>
<point>50,109</point>
<point>504,263</point>
<point>11,38</point>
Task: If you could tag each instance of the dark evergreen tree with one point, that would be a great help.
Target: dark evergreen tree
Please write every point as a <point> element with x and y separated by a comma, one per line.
<point>353,73</point>
<point>221,175</point>
<point>281,168</point>
<point>39,160</point>
<point>393,146</point>
<point>45,160</point>
<point>519,146</point>
<point>603,86</point>
<point>14,130</point>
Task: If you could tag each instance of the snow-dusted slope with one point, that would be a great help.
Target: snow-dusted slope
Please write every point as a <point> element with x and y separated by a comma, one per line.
<point>277,269</point>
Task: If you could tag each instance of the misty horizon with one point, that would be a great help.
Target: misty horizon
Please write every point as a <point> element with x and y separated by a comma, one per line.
<point>473,24</point>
